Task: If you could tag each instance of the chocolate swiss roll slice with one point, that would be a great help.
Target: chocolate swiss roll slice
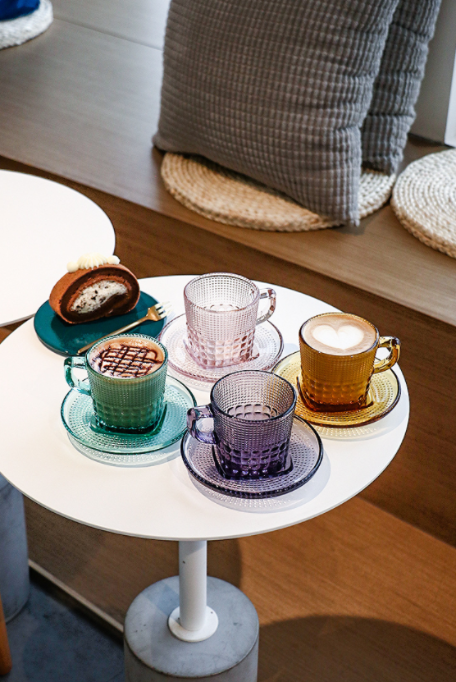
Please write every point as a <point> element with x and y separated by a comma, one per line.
<point>90,293</point>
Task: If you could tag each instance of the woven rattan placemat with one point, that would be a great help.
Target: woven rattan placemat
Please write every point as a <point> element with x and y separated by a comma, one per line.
<point>424,200</point>
<point>228,197</point>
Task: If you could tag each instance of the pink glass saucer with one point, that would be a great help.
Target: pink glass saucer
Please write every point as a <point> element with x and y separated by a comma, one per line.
<point>268,346</point>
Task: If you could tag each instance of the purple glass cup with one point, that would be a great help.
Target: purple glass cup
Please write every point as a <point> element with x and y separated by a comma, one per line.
<point>252,416</point>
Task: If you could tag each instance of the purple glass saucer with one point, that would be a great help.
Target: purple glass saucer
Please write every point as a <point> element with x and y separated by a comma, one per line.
<point>306,451</point>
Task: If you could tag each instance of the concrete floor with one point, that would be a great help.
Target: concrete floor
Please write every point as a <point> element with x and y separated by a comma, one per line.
<point>52,641</point>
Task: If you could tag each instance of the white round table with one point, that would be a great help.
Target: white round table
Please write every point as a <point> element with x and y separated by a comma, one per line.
<point>161,501</point>
<point>44,225</point>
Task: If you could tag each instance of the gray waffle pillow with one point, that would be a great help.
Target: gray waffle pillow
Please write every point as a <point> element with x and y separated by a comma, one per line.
<point>397,85</point>
<point>275,89</point>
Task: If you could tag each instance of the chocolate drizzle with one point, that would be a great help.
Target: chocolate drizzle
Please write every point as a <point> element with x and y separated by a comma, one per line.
<point>125,360</point>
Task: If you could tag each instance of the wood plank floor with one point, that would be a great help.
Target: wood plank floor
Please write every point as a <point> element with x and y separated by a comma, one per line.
<point>354,595</point>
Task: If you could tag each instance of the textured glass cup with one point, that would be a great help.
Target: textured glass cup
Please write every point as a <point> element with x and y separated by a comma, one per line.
<point>340,382</point>
<point>222,313</point>
<point>252,413</point>
<point>123,404</point>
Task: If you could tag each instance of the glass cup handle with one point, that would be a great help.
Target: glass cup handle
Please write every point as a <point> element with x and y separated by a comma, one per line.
<point>76,362</point>
<point>272,296</point>
<point>394,346</point>
<point>194,415</point>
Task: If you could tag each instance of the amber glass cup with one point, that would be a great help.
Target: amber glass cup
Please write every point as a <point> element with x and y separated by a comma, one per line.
<point>337,368</point>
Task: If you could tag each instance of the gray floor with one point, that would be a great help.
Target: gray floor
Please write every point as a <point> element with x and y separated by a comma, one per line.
<point>51,641</point>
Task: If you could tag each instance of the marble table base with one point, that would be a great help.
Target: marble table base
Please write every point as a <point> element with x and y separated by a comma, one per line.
<point>154,654</point>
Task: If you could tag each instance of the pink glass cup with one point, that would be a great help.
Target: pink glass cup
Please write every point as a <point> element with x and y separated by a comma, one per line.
<point>222,313</point>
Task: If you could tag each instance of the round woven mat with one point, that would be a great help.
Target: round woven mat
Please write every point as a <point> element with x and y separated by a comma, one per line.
<point>17,31</point>
<point>424,200</point>
<point>228,197</point>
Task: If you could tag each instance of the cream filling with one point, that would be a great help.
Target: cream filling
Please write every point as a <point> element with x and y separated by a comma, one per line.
<point>92,260</point>
<point>94,296</point>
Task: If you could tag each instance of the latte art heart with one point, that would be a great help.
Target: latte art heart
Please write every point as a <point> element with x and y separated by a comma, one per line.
<point>339,334</point>
<point>347,336</point>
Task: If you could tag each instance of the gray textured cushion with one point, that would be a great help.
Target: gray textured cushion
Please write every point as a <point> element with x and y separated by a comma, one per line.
<point>397,85</point>
<point>275,89</point>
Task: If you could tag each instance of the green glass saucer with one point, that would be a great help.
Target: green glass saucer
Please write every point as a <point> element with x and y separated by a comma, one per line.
<point>126,449</point>
<point>67,339</point>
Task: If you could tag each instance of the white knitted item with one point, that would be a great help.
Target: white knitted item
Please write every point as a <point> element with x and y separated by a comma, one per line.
<point>18,31</point>
<point>228,197</point>
<point>424,200</point>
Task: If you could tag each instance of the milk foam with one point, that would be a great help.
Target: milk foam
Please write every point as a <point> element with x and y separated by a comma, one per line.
<point>342,338</point>
<point>339,334</point>
<point>126,357</point>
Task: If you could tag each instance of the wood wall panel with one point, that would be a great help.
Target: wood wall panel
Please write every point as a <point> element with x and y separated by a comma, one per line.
<point>382,258</point>
<point>419,486</point>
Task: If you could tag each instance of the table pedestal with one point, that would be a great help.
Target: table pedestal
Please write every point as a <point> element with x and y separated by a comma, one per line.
<point>171,632</point>
<point>193,620</point>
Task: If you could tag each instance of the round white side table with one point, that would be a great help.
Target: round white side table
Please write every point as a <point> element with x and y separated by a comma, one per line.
<point>162,501</point>
<point>44,225</point>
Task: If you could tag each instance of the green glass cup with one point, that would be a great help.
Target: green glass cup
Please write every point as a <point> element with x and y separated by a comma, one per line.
<point>126,379</point>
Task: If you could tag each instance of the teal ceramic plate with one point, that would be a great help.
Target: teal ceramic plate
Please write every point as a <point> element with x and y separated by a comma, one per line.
<point>67,339</point>
<point>126,449</point>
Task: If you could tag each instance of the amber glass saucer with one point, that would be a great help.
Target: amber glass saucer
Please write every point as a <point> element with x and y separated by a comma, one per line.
<point>383,396</point>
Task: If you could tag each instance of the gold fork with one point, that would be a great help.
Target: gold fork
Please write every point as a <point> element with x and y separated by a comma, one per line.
<point>155,313</point>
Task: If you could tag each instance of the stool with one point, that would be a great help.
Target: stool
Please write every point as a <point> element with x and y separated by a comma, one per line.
<point>5,657</point>
<point>14,571</point>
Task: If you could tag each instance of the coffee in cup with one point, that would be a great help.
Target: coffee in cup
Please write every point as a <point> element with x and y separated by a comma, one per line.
<point>338,360</point>
<point>338,334</point>
<point>126,357</point>
<point>126,379</point>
